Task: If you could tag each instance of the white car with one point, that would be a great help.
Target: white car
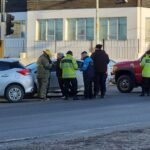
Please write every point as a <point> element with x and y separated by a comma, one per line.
<point>15,80</point>
<point>54,86</point>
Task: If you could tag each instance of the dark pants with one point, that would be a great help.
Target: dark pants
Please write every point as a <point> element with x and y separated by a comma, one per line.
<point>61,85</point>
<point>70,85</point>
<point>88,90</point>
<point>100,83</point>
<point>145,86</point>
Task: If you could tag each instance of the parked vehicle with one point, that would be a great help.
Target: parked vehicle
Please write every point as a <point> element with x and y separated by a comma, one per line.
<point>54,86</point>
<point>15,80</point>
<point>127,75</point>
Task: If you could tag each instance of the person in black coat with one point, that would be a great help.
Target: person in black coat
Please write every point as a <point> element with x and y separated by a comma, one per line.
<point>101,60</point>
<point>60,56</point>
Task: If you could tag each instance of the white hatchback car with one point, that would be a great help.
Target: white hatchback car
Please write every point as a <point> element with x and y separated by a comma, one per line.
<point>15,80</point>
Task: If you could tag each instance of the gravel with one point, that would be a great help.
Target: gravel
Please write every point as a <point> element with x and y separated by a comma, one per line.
<point>137,139</point>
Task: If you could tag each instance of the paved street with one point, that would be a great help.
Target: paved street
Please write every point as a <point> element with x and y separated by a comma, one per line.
<point>62,119</point>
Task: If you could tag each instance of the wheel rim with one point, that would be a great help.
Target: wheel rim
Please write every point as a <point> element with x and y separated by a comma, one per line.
<point>124,84</point>
<point>15,94</point>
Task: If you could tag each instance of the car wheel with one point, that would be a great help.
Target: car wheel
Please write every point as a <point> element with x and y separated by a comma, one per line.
<point>125,84</point>
<point>14,93</point>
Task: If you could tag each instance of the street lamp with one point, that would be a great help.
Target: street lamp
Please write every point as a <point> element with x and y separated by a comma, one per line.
<point>97,22</point>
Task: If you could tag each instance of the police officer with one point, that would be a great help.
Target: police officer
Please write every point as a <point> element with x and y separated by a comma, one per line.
<point>44,64</point>
<point>145,64</point>
<point>69,67</point>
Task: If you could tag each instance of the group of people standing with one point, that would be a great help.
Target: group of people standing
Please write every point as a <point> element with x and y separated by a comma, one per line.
<point>94,69</point>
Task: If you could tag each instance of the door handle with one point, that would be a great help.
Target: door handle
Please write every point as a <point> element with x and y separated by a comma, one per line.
<point>5,75</point>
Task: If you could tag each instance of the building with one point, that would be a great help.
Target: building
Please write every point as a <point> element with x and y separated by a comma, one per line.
<point>71,24</point>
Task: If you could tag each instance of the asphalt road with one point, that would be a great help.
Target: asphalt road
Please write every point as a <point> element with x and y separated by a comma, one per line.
<point>62,119</point>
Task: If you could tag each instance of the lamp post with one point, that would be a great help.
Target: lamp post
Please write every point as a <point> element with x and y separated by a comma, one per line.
<point>97,22</point>
<point>3,19</point>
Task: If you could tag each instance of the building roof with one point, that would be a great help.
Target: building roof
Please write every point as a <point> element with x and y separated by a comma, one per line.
<point>25,5</point>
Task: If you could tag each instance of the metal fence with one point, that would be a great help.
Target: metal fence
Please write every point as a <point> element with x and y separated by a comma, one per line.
<point>117,50</point>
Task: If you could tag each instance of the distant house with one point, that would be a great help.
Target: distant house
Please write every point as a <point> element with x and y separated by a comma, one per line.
<point>71,24</point>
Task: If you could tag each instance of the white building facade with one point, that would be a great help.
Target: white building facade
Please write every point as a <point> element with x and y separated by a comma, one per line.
<point>124,31</point>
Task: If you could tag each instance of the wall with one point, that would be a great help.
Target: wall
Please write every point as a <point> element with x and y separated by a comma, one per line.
<point>143,13</point>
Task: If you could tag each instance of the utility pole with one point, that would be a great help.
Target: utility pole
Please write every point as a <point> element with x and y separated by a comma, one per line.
<point>97,22</point>
<point>2,27</point>
<point>3,19</point>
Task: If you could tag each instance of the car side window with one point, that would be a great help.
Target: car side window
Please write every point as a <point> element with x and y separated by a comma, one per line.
<point>16,65</point>
<point>4,66</point>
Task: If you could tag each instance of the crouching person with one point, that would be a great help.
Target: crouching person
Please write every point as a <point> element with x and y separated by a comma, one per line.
<point>88,74</point>
<point>44,64</point>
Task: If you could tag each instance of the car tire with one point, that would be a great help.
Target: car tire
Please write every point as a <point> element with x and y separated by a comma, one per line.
<point>14,93</point>
<point>125,84</point>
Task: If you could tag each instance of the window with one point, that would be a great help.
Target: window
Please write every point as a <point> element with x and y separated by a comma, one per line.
<point>113,28</point>
<point>90,29</point>
<point>81,29</point>
<point>72,29</point>
<point>4,66</point>
<point>42,30</point>
<point>51,30</point>
<point>147,32</point>
<point>19,29</point>
<point>103,29</point>
<point>10,65</point>
<point>122,28</point>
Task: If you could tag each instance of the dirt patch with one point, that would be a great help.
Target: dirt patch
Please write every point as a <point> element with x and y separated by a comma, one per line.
<point>138,139</point>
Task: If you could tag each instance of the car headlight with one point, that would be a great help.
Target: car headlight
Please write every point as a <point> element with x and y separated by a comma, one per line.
<point>115,68</point>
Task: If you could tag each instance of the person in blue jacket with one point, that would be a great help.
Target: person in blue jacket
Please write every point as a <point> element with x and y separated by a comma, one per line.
<point>88,74</point>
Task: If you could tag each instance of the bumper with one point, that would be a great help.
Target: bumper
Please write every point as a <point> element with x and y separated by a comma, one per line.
<point>112,79</point>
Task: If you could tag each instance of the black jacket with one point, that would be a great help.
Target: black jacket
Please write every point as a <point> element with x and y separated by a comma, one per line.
<point>58,69</point>
<point>101,60</point>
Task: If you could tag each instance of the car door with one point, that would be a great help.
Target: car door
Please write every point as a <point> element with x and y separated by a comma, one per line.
<point>4,76</point>
<point>54,85</point>
<point>79,75</point>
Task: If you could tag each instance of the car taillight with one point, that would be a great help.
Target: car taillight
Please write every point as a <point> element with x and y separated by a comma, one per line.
<point>24,72</point>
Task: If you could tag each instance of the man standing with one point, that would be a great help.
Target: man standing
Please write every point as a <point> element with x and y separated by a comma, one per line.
<point>60,56</point>
<point>101,60</point>
<point>145,64</point>
<point>69,67</point>
<point>88,74</point>
<point>44,64</point>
